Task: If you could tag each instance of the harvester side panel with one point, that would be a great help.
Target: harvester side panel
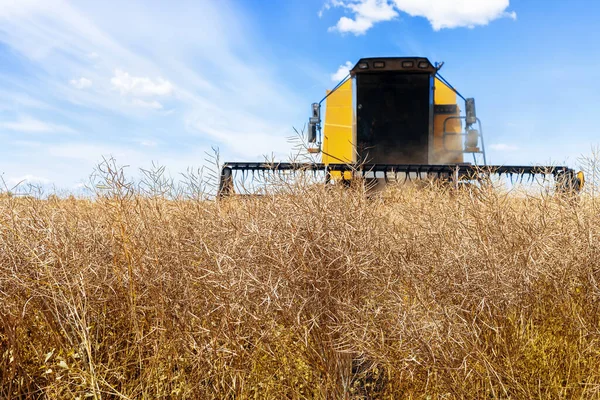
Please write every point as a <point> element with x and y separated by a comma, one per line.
<point>338,134</point>
<point>450,151</point>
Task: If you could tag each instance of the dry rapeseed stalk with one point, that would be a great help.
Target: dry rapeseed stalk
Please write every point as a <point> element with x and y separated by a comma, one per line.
<point>313,293</point>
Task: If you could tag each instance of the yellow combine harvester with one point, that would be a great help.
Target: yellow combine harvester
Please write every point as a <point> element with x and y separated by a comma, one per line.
<point>396,119</point>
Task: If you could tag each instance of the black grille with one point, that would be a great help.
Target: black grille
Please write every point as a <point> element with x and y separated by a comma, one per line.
<point>393,117</point>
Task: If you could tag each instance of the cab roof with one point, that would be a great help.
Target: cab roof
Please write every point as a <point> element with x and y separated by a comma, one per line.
<point>384,64</point>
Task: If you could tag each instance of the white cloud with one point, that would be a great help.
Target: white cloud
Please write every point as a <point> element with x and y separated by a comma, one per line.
<point>503,147</point>
<point>140,86</point>
<point>153,105</point>
<point>27,179</point>
<point>13,8</point>
<point>366,14</point>
<point>81,83</point>
<point>248,144</point>
<point>453,14</point>
<point>91,153</point>
<point>326,7</point>
<point>148,143</point>
<point>342,72</point>
<point>440,13</point>
<point>199,66</point>
<point>27,143</point>
<point>31,125</point>
<point>20,100</point>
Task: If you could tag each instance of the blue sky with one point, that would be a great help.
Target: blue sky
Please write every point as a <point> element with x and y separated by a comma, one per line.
<point>164,81</point>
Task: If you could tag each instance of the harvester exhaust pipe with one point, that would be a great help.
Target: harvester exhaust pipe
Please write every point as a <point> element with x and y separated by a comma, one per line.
<point>314,123</point>
<point>470,111</point>
<point>472,134</point>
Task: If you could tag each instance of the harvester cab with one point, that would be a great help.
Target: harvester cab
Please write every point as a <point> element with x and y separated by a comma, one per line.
<point>396,111</point>
<point>395,118</point>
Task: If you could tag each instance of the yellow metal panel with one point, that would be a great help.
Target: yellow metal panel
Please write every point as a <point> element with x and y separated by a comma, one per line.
<point>336,116</point>
<point>443,94</point>
<point>337,134</point>
<point>451,152</point>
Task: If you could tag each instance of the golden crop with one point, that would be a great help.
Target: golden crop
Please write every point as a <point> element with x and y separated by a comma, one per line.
<point>314,294</point>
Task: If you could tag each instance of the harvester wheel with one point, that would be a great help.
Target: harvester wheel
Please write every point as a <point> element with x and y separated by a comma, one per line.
<point>226,183</point>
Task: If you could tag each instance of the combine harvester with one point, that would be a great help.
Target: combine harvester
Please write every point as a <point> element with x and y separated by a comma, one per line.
<point>393,119</point>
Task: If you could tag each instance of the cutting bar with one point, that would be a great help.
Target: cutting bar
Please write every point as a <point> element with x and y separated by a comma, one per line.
<point>564,174</point>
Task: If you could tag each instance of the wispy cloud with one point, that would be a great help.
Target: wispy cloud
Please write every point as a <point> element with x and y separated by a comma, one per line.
<point>27,143</point>
<point>154,105</point>
<point>503,147</point>
<point>140,86</point>
<point>215,93</point>
<point>31,125</point>
<point>148,143</point>
<point>81,83</point>
<point>441,14</point>
<point>27,179</point>
<point>93,151</point>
